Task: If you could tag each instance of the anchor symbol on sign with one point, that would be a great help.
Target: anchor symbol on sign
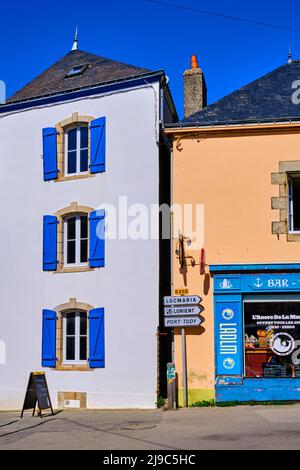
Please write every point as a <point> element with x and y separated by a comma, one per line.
<point>258,283</point>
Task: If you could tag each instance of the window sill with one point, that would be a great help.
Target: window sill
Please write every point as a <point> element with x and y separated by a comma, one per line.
<point>74,367</point>
<point>73,269</point>
<point>293,236</point>
<point>73,177</point>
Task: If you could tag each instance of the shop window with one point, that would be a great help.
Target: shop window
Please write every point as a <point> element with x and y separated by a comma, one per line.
<point>294,203</point>
<point>272,338</point>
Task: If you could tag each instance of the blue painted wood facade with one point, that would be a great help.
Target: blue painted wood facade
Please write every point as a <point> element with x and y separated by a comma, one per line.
<point>229,291</point>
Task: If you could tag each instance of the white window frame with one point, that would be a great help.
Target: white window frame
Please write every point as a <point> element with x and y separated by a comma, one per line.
<point>77,240</point>
<point>77,336</point>
<point>78,149</point>
<point>290,203</point>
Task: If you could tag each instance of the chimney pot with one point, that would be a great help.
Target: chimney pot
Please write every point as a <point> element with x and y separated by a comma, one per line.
<point>194,62</point>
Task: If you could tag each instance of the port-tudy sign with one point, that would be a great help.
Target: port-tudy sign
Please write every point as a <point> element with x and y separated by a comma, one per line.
<point>184,310</point>
<point>181,300</point>
<point>172,322</point>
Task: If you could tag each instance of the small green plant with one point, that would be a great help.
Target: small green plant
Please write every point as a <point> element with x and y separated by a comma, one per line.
<point>160,402</point>
<point>224,404</point>
<point>204,403</point>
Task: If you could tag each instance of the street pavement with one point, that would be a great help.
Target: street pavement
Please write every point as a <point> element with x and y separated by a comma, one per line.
<point>242,427</point>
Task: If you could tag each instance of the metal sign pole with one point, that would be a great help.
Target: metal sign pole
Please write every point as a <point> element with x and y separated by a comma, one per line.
<point>184,371</point>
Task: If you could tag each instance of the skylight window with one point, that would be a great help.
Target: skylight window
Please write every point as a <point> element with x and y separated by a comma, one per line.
<point>75,71</point>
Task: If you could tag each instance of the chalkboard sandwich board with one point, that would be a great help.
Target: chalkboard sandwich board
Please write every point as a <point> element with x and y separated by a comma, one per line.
<point>37,393</point>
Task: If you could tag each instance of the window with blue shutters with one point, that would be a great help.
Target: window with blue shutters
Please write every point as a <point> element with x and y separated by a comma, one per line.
<point>49,338</point>
<point>97,239</point>
<point>73,335</point>
<point>74,148</point>
<point>79,233</point>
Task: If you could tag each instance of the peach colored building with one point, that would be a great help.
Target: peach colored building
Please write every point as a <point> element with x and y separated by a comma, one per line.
<point>239,158</point>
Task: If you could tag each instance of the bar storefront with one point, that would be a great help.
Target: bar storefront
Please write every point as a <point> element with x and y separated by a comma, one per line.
<point>257,332</point>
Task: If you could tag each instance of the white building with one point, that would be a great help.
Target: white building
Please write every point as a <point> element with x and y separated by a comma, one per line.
<point>83,308</point>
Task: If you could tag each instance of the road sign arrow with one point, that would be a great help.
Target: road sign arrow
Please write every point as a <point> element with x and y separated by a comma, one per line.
<point>173,322</point>
<point>185,310</point>
<point>181,300</point>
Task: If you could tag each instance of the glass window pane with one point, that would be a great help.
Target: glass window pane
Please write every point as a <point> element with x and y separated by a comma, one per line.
<point>83,226</point>
<point>84,164</point>
<point>70,320</point>
<point>82,352</point>
<point>72,166</point>
<point>71,256</point>
<point>72,139</point>
<point>296,203</point>
<point>272,330</point>
<point>70,349</point>
<point>84,137</point>
<point>83,323</point>
<point>83,251</point>
<point>71,228</point>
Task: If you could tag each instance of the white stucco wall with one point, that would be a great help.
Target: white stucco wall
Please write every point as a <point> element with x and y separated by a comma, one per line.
<point>128,284</point>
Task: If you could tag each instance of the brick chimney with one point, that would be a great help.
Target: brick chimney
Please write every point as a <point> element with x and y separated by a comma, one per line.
<point>195,92</point>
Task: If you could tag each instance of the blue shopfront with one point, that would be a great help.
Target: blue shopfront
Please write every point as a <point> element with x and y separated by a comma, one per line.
<point>257,332</point>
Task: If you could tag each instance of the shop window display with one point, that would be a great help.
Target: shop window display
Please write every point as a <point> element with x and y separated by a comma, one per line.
<point>272,339</point>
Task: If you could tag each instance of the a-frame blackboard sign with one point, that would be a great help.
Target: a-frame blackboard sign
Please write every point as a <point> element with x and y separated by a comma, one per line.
<point>37,393</point>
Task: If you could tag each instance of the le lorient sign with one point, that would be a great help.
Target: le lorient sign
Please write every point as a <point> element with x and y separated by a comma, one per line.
<point>257,283</point>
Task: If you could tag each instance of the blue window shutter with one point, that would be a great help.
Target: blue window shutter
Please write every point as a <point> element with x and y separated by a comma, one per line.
<point>49,243</point>
<point>49,339</point>
<point>50,153</point>
<point>96,338</point>
<point>98,150</point>
<point>97,240</point>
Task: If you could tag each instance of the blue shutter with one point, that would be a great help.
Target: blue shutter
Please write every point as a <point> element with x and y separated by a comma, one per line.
<point>98,131</point>
<point>97,241</point>
<point>50,153</point>
<point>96,338</point>
<point>49,243</point>
<point>49,339</point>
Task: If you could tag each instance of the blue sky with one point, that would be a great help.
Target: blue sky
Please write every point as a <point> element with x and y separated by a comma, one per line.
<point>35,34</point>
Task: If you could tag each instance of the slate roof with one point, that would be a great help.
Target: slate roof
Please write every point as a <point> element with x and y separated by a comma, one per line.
<point>267,99</point>
<point>100,70</point>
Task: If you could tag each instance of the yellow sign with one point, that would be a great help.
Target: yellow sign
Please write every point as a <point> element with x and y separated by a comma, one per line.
<point>182,291</point>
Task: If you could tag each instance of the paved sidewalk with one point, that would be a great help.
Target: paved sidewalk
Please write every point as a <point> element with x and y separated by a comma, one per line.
<point>243,427</point>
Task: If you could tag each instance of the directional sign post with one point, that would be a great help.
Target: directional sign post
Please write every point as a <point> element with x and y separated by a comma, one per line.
<point>183,311</point>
